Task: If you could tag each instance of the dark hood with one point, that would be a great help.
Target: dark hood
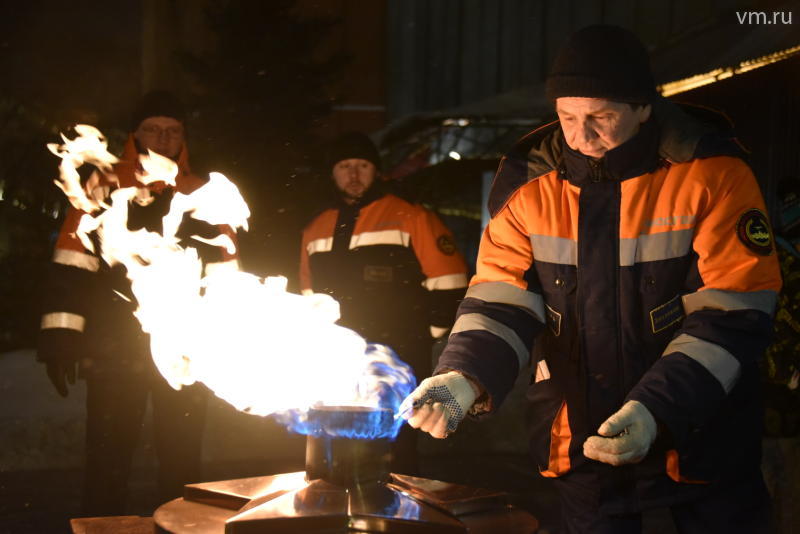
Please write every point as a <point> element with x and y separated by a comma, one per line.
<point>683,133</point>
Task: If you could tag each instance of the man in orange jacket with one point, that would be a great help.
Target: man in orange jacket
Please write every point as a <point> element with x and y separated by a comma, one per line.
<point>88,328</point>
<point>392,266</point>
<point>629,261</point>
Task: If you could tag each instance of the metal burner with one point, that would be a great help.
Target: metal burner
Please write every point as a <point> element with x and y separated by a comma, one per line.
<point>346,487</point>
<point>345,461</point>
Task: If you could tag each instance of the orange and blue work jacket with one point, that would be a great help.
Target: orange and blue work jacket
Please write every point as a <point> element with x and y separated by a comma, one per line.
<point>87,296</point>
<point>392,266</point>
<point>648,275</point>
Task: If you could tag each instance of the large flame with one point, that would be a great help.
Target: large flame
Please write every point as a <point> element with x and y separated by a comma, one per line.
<point>89,147</point>
<point>262,349</point>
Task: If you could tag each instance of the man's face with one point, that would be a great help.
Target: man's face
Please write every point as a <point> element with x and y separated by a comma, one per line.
<point>163,135</point>
<point>593,126</point>
<point>353,177</point>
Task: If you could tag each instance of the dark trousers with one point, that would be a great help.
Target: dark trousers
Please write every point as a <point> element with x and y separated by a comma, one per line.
<point>115,405</point>
<point>741,507</point>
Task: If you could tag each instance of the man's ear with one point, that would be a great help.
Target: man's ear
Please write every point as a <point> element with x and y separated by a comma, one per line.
<point>643,113</point>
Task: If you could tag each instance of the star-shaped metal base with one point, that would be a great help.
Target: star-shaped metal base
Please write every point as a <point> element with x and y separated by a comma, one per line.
<point>287,503</point>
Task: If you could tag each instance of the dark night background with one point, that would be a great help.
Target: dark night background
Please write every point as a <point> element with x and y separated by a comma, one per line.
<point>266,84</point>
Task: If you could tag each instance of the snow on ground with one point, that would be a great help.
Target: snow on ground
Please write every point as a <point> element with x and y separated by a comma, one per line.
<point>38,428</point>
<point>41,430</point>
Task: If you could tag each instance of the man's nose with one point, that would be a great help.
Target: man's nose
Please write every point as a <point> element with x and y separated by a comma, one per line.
<point>586,132</point>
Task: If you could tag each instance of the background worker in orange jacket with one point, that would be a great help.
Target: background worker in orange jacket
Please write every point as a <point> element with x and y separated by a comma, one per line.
<point>392,266</point>
<point>88,328</point>
<point>630,253</point>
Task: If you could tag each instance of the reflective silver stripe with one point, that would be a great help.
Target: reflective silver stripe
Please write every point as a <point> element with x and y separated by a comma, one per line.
<point>437,331</point>
<point>654,247</point>
<point>477,321</point>
<point>505,293</point>
<point>319,245</point>
<point>718,361</point>
<point>222,266</point>
<point>81,260</point>
<point>72,321</point>
<point>719,299</point>
<point>384,237</point>
<point>447,281</point>
<point>554,249</point>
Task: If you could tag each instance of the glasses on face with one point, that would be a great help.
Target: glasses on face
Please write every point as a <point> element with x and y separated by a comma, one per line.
<point>157,131</point>
<point>346,165</point>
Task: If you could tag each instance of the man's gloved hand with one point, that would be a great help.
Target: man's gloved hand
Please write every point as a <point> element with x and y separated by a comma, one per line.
<point>629,434</point>
<point>439,403</point>
<point>59,349</point>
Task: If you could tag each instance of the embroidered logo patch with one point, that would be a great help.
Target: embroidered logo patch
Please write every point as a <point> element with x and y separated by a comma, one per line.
<point>666,314</point>
<point>753,230</point>
<point>446,245</point>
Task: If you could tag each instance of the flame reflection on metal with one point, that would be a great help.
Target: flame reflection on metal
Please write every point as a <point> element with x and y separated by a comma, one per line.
<point>406,505</point>
<point>346,487</point>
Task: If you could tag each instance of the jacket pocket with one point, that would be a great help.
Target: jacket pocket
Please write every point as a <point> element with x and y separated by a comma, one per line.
<point>548,424</point>
<point>558,289</point>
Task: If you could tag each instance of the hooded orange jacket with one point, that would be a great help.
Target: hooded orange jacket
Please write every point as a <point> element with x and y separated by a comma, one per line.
<point>649,275</point>
<point>82,292</point>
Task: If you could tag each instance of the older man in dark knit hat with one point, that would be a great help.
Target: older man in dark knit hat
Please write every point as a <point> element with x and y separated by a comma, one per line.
<point>629,261</point>
<point>89,330</point>
<point>392,266</point>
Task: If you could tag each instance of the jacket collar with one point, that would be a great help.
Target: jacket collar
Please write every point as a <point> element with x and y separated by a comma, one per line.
<point>374,193</point>
<point>683,133</point>
<point>636,156</point>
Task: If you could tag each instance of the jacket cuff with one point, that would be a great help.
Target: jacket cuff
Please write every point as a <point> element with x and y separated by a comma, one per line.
<point>680,393</point>
<point>495,375</point>
<point>59,345</point>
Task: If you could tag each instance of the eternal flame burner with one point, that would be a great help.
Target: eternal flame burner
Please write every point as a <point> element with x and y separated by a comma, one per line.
<point>346,487</point>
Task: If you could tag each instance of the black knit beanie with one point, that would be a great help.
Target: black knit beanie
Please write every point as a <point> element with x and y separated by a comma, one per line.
<point>157,104</point>
<point>602,62</point>
<point>352,145</point>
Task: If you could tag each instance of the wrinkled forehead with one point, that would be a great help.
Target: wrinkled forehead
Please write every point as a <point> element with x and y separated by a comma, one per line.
<point>578,105</point>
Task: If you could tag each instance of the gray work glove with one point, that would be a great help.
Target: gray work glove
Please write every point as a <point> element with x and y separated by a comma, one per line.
<point>60,349</point>
<point>625,437</point>
<point>439,403</point>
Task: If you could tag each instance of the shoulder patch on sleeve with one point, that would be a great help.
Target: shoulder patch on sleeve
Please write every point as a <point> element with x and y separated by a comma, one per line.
<point>446,245</point>
<point>753,230</point>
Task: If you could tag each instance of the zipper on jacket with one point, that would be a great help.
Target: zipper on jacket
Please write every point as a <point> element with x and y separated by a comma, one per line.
<point>597,170</point>
<point>343,231</point>
<point>618,269</point>
<point>596,176</point>
<point>575,354</point>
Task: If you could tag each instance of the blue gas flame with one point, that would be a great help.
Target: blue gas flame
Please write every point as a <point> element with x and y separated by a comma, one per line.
<point>384,383</point>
